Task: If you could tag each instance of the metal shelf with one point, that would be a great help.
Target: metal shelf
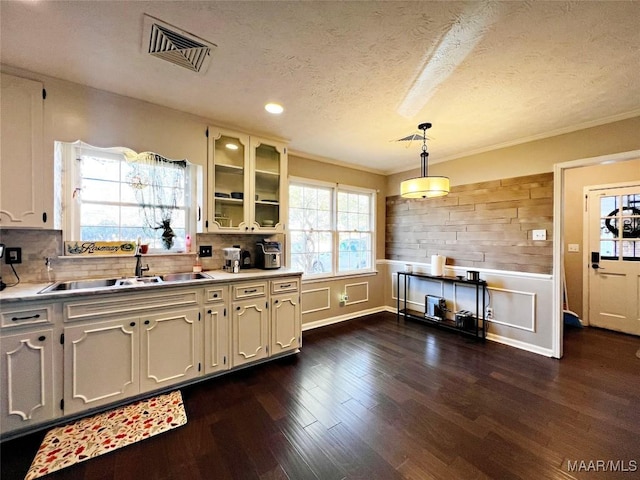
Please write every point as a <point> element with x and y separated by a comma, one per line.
<point>480,322</point>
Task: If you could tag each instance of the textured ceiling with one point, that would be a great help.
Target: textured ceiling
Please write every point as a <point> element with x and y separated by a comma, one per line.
<point>353,76</point>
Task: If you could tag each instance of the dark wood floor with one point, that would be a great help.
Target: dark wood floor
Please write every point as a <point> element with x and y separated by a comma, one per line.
<point>370,399</point>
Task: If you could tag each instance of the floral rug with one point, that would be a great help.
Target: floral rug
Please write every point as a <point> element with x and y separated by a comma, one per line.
<point>89,437</point>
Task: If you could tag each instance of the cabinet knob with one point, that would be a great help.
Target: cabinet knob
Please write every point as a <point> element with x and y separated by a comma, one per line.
<point>42,338</point>
<point>147,322</point>
<point>237,308</point>
<point>132,324</point>
<point>209,312</point>
<point>276,301</point>
<point>215,295</point>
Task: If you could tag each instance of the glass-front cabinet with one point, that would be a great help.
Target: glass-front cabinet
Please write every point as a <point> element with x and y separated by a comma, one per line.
<point>269,181</point>
<point>247,183</point>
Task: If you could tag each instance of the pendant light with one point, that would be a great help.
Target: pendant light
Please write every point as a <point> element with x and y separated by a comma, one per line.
<point>424,186</point>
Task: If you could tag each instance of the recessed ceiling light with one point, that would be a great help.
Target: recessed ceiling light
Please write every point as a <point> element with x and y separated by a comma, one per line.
<point>231,146</point>
<point>274,108</point>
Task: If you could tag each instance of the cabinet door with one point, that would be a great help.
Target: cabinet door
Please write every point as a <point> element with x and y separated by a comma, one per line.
<point>21,157</point>
<point>100,363</point>
<point>285,323</point>
<point>269,185</point>
<point>250,336</point>
<point>26,381</point>
<point>216,339</point>
<point>228,181</point>
<point>169,348</point>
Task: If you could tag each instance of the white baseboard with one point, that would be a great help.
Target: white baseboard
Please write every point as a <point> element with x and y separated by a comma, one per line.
<point>490,336</point>
<point>547,352</point>
<point>343,318</point>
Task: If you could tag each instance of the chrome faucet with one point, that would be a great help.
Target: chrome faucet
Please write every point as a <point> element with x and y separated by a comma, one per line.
<point>139,268</point>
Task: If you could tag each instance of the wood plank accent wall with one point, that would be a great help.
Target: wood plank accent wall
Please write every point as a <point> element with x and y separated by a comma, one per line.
<point>483,225</point>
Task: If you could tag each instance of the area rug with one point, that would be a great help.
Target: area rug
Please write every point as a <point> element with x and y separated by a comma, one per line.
<point>89,437</point>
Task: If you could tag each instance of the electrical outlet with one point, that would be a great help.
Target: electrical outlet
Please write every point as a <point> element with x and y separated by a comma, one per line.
<point>13,255</point>
<point>489,315</point>
<point>205,251</point>
<point>344,298</point>
<point>539,235</point>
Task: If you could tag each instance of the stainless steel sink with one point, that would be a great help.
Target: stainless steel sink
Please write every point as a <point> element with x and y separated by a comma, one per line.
<point>99,283</point>
<point>181,277</point>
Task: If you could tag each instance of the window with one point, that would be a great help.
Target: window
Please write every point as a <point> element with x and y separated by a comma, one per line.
<point>115,194</point>
<point>331,228</point>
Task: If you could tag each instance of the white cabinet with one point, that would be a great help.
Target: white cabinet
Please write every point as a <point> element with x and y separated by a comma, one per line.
<point>286,327</point>
<point>169,348</point>
<point>26,380</point>
<point>250,323</point>
<point>247,183</point>
<point>124,345</point>
<point>22,193</point>
<point>216,330</point>
<point>100,363</point>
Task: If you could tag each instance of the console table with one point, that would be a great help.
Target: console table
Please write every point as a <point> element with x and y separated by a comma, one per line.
<point>478,329</point>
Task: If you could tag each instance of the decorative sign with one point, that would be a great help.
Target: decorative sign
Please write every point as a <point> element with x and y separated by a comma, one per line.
<point>76,248</point>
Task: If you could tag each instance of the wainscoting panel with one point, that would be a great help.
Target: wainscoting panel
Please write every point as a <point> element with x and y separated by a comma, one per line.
<point>514,308</point>
<point>357,292</point>
<point>316,299</point>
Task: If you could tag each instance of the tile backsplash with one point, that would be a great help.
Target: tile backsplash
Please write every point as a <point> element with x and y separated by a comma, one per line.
<point>37,245</point>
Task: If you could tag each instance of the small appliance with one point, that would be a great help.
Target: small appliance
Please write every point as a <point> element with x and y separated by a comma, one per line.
<point>435,308</point>
<point>465,320</point>
<point>268,255</point>
<point>473,275</point>
<point>231,259</point>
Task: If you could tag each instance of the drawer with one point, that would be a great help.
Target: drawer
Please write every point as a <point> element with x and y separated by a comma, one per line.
<point>285,285</point>
<point>27,315</point>
<point>249,290</point>
<point>134,304</point>
<point>215,294</point>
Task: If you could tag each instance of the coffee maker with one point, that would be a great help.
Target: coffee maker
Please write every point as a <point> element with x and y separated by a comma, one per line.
<point>268,255</point>
<point>231,259</point>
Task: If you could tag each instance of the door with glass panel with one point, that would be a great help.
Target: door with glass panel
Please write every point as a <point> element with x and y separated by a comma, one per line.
<point>269,184</point>
<point>614,258</point>
<point>228,180</point>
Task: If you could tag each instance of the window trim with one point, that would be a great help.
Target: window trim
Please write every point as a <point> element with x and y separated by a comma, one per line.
<point>67,153</point>
<point>335,188</point>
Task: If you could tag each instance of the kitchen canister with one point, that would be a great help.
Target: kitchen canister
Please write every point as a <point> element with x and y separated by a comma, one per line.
<point>437,265</point>
<point>473,275</point>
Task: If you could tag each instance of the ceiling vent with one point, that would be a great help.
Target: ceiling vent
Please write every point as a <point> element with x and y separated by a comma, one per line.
<point>174,45</point>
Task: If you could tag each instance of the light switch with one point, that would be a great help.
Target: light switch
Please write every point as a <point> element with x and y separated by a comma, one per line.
<point>573,247</point>
<point>539,234</point>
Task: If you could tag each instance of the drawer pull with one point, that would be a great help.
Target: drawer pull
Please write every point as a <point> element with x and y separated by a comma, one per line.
<point>42,338</point>
<point>285,286</point>
<point>215,295</point>
<point>132,324</point>
<point>254,290</point>
<point>16,319</point>
<point>147,322</point>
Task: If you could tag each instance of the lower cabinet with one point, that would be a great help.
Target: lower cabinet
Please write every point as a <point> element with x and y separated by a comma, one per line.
<point>285,323</point>
<point>250,331</point>
<point>216,339</point>
<point>108,361</point>
<point>101,363</point>
<point>169,348</point>
<point>26,380</point>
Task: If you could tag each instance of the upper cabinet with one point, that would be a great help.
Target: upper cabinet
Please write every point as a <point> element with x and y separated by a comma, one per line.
<point>246,183</point>
<point>22,192</point>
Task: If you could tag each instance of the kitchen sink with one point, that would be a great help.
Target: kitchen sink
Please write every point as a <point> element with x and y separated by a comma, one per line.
<point>181,277</point>
<point>101,283</point>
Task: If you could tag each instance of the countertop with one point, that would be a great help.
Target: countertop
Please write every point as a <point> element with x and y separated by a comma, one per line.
<point>29,291</point>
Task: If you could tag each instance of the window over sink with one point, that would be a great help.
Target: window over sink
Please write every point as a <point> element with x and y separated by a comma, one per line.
<point>116,194</point>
